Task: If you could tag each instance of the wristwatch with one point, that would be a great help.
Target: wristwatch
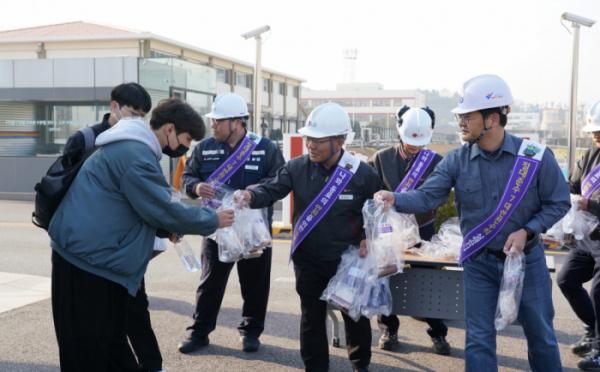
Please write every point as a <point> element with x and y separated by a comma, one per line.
<point>530,233</point>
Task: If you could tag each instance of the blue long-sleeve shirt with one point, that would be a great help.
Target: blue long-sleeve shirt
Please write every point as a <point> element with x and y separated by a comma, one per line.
<point>479,183</point>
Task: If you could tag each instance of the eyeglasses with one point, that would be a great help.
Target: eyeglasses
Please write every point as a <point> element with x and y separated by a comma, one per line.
<point>217,121</point>
<point>134,115</point>
<point>462,117</point>
<point>314,141</point>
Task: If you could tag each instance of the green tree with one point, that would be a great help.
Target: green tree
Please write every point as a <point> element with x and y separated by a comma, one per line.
<point>445,211</point>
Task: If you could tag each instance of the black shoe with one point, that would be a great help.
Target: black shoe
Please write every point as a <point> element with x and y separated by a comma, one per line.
<point>388,341</point>
<point>590,362</point>
<point>192,343</point>
<point>584,346</point>
<point>362,369</point>
<point>249,343</point>
<point>440,345</point>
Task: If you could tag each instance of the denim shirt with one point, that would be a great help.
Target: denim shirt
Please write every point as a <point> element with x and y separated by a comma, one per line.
<point>479,183</point>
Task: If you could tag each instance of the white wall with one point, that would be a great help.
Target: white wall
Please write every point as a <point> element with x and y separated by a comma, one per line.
<point>223,88</point>
<point>244,92</point>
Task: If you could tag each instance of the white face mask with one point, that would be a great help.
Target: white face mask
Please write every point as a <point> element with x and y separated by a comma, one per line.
<point>123,117</point>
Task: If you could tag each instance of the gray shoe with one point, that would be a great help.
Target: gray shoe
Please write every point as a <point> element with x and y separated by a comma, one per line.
<point>584,346</point>
<point>192,343</point>
<point>440,345</point>
<point>249,343</point>
<point>388,341</point>
<point>590,362</point>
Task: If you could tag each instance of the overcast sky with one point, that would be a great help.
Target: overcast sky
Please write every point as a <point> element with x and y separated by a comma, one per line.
<point>424,44</point>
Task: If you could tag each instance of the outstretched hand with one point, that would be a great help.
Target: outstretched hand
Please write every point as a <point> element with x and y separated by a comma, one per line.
<point>387,198</point>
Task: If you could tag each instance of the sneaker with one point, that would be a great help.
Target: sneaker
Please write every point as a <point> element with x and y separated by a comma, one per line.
<point>590,362</point>
<point>584,346</point>
<point>440,345</point>
<point>192,343</point>
<point>249,343</point>
<point>362,369</point>
<point>388,341</point>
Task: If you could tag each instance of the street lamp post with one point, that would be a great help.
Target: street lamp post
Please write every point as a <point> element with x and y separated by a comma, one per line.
<point>576,22</point>
<point>257,74</point>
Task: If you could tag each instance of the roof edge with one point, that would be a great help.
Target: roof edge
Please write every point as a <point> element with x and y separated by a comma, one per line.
<point>142,36</point>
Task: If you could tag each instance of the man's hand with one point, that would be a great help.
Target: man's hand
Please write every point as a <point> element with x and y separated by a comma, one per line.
<point>173,237</point>
<point>242,195</point>
<point>226,218</point>
<point>252,186</point>
<point>582,204</point>
<point>362,253</point>
<point>516,240</point>
<point>205,190</point>
<point>387,198</point>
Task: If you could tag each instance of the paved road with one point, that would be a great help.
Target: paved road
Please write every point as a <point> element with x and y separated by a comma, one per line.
<point>27,341</point>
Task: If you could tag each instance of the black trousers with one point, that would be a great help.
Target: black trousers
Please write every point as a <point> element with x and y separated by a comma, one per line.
<point>312,277</point>
<point>255,282</point>
<point>90,320</point>
<point>391,324</point>
<point>581,266</point>
<point>140,333</point>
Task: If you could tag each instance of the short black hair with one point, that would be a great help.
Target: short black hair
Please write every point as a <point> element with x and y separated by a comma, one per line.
<point>496,110</point>
<point>133,95</point>
<point>181,114</point>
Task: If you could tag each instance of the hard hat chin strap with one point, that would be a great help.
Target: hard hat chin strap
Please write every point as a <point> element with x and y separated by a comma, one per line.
<point>482,133</point>
<point>230,131</point>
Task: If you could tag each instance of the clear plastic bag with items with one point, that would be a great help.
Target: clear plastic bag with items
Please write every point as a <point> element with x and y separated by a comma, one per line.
<point>445,244</point>
<point>576,225</point>
<point>377,298</point>
<point>261,235</point>
<point>389,234</point>
<point>555,235</point>
<point>346,288</point>
<point>511,288</point>
<point>216,201</point>
<point>231,239</point>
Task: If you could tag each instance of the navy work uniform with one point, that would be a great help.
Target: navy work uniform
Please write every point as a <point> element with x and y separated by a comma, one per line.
<point>254,274</point>
<point>392,164</point>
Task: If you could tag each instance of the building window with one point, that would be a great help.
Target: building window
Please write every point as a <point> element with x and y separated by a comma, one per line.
<point>362,103</point>
<point>379,118</point>
<point>317,102</point>
<point>154,54</point>
<point>243,80</point>
<point>281,87</point>
<point>381,102</point>
<point>360,118</point>
<point>278,88</point>
<point>265,85</point>
<point>344,103</point>
<point>223,75</point>
<point>292,91</point>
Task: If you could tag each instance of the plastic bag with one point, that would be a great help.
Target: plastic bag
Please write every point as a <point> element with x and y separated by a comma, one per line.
<point>555,235</point>
<point>389,234</point>
<point>231,239</point>
<point>445,244</point>
<point>580,224</point>
<point>346,288</point>
<point>262,236</point>
<point>377,298</point>
<point>216,201</point>
<point>511,288</point>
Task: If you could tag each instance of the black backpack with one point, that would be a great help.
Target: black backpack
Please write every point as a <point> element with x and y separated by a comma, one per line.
<point>55,184</point>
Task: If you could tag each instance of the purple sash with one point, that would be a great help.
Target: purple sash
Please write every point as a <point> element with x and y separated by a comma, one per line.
<point>416,172</point>
<point>523,172</point>
<point>591,182</point>
<point>235,161</point>
<point>319,207</point>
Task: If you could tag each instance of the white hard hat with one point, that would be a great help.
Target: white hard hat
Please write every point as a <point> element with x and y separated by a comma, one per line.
<point>228,105</point>
<point>416,128</point>
<point>483,92</point>
<point>593,118</point>
<point>327,120</point>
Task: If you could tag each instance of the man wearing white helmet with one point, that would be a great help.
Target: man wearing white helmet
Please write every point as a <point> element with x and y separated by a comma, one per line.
<point>260,160</point>
<point>508,191</point>
<point>395,166</point>
<point>583,262</point>
<point>330,186</point>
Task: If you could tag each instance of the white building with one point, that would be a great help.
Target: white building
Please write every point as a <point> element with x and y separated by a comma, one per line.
<point>524,119</point>
<point>56,79</point>
<point>367,103</point>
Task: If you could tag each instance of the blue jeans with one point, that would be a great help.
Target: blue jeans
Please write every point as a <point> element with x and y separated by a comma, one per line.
<point>482,277</point>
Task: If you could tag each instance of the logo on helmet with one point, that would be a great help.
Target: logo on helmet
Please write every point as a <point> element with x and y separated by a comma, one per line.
<point>489,95</point>
<point>414,134</point>
<point>461,99</point>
